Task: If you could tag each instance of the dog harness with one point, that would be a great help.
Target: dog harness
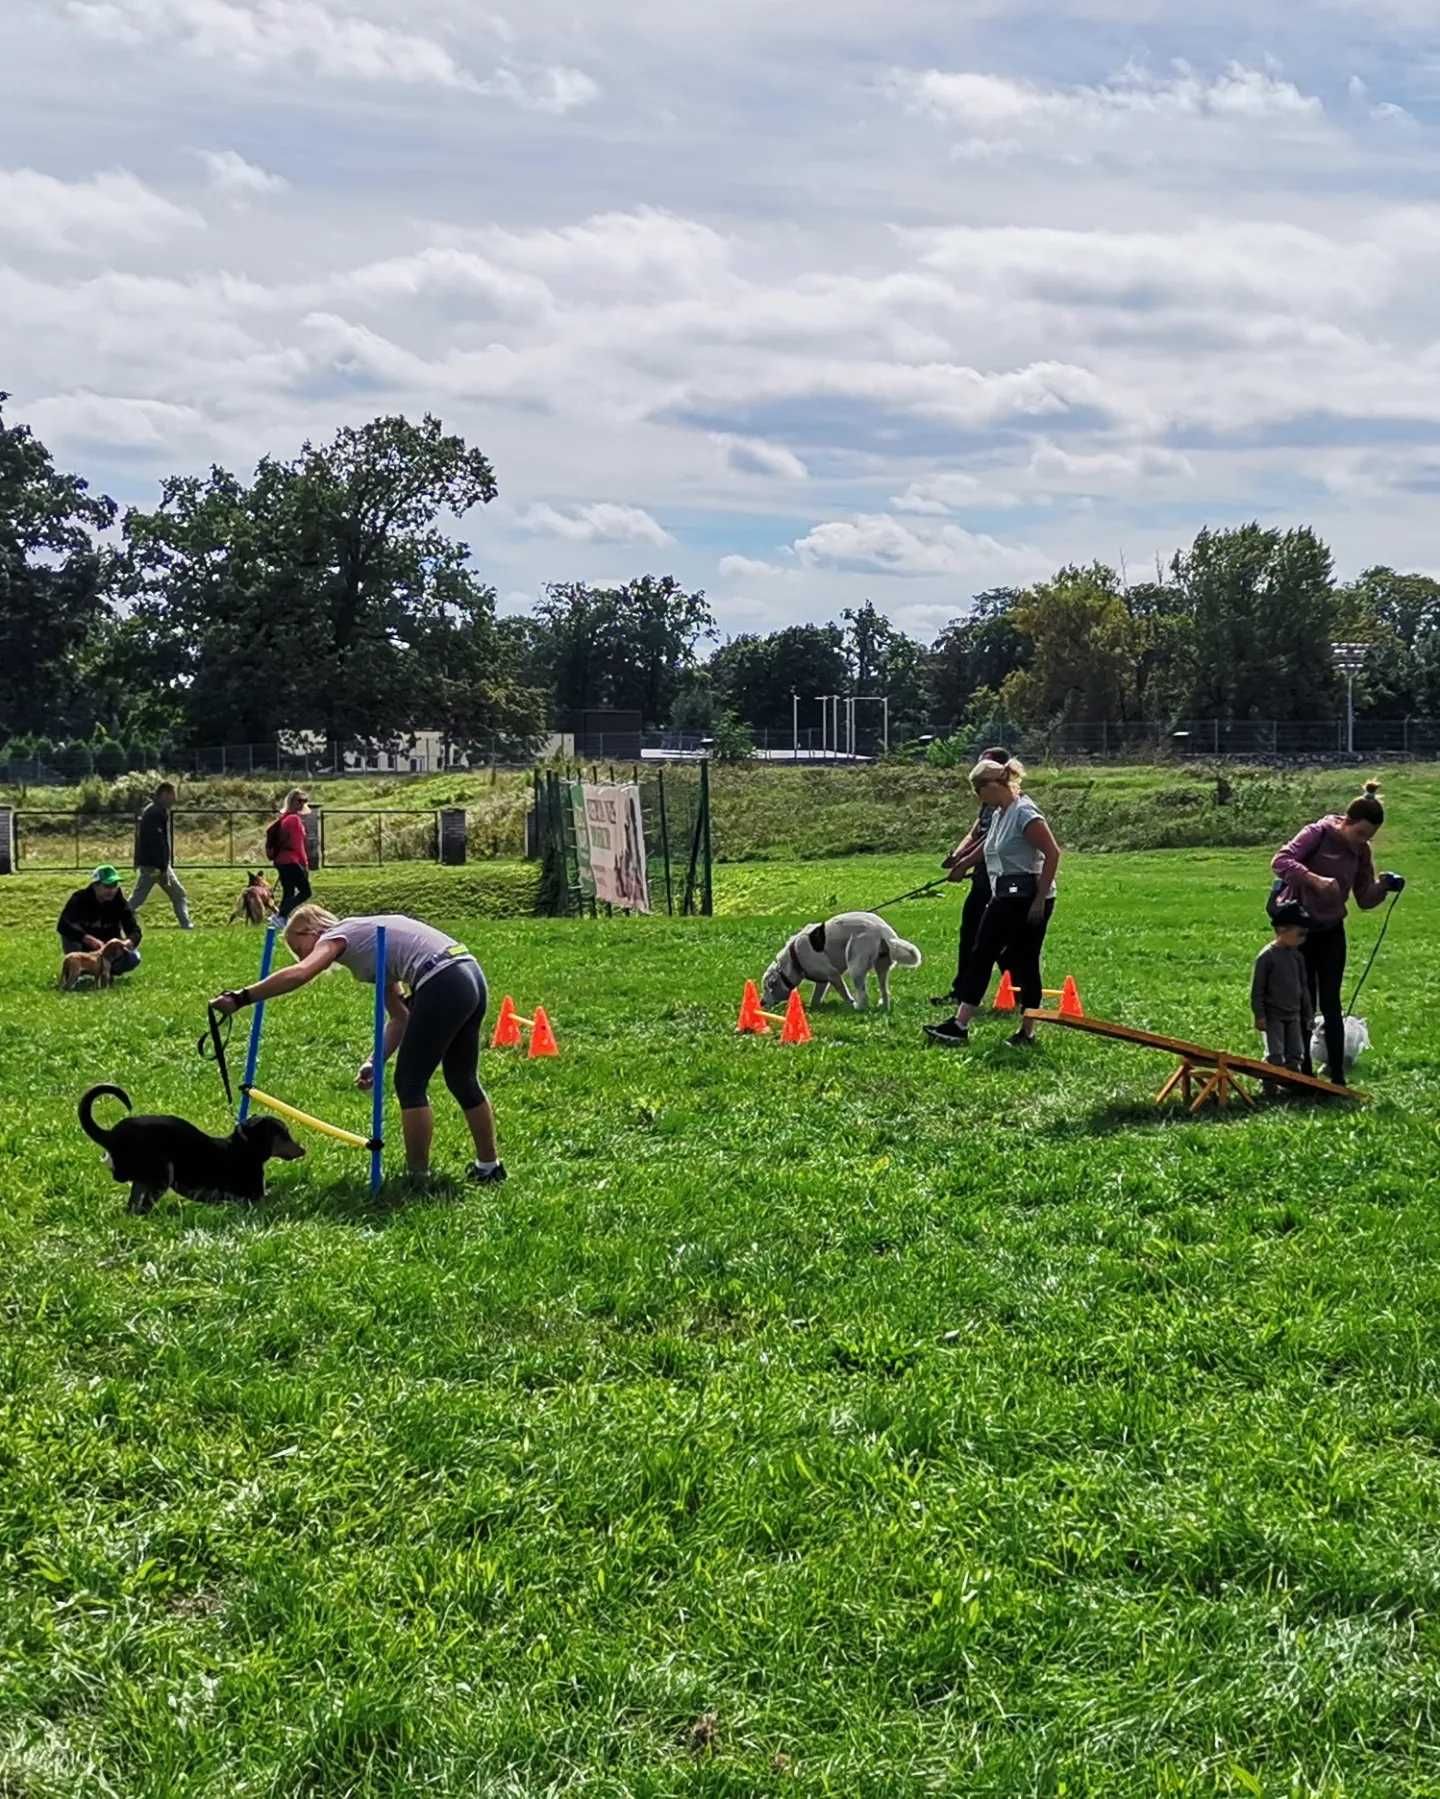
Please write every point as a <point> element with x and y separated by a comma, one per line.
<point>816,940</point>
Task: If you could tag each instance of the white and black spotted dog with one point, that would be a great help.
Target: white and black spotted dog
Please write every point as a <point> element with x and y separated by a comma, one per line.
<point>851,945</point>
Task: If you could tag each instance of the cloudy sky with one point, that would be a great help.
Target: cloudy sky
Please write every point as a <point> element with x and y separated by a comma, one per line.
<point>803,302</point>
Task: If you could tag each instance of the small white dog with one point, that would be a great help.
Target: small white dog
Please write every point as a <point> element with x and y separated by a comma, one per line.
<point>857,944</point>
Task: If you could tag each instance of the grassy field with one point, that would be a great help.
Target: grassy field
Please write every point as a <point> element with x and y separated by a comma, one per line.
<point>856,1419</point>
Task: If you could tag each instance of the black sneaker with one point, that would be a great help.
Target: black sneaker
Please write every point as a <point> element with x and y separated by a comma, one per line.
<point>1021,1041</point>
<point>951,1033</point>
<point>486,1177</point>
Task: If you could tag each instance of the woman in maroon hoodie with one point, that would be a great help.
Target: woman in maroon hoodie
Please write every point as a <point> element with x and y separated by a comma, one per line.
<point>290,853</point>
<point>1326,865</point>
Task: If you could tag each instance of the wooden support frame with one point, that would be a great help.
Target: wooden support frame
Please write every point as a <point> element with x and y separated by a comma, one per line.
<point>1215,1070</point>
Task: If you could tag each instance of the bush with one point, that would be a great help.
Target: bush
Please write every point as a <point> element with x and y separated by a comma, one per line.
<point>135,758</point>
<point>109,759</point>
<point>734,741</point>
<point>76,761</point>
<point>42,750</point>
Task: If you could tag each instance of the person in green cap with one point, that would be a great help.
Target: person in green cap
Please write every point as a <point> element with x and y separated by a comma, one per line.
<point>97,913</point>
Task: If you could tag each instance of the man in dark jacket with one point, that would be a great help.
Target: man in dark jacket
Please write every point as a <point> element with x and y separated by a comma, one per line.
<point>153,856</point>
<point>98,912</point>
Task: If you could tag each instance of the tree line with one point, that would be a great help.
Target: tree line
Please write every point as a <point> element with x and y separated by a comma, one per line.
<point>328,594</point>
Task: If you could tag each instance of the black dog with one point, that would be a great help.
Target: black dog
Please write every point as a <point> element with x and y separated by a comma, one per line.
<point>154,1151</point>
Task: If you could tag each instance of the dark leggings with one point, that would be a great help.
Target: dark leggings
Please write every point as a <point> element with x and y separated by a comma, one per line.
<point>294,886</point>
<point>971,913</point>
<point>1008,937</point>
<point>1324,953</point>
<point>443,1031</point>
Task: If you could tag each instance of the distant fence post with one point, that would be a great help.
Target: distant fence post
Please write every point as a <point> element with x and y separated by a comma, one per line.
<point>707,890</point>
<point>314,823</point>
<point>7,840</point>
<point>454,834</point>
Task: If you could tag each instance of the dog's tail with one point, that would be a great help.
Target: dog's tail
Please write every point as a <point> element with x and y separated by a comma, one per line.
<point>87,1107</point>
<point>903,954</point>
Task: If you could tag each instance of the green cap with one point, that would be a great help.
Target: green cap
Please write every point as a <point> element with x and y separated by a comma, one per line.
<point>105,876</point>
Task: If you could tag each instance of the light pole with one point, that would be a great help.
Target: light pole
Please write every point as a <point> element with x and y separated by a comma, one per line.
<point>794,726</point>
<point>1349,659</point>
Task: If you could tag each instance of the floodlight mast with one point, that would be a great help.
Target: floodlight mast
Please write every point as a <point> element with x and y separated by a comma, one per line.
<point>1349,658</point>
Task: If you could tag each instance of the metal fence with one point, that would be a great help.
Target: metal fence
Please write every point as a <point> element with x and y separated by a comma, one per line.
<point>675,806</point>
<point>343,836</point>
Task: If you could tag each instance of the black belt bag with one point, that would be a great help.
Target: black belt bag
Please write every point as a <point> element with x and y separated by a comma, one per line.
<point>1016,887</point>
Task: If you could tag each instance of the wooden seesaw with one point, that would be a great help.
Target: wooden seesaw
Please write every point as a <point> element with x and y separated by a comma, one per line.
<point>1213,1071</point>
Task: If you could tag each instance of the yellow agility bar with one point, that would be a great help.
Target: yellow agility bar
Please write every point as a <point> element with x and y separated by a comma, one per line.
<point>315,1124</point>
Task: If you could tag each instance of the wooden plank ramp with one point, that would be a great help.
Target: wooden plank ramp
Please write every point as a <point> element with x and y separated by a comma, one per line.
<point>1204,1075</point>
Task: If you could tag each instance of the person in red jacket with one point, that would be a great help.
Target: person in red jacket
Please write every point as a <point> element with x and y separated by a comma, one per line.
<point>286,844</point>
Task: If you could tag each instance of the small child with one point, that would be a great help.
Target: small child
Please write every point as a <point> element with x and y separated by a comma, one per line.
<point>1280,994</point>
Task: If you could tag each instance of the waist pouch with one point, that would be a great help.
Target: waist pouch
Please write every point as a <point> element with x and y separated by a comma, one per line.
<point>1016,887</point>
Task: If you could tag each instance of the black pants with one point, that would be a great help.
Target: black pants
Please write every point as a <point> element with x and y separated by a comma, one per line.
<point>1324,953</point>
<point>976,900</point>
<point>294,886</point>
<point>1007,936</point>
<point>443,1031</point>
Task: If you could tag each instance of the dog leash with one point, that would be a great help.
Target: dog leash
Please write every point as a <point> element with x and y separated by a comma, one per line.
<point>211,1047</point>
<point>1384,927</point>
<point>914,893</point>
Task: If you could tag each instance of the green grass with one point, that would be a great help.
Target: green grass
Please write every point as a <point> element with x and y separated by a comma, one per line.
<point>847,1420</point>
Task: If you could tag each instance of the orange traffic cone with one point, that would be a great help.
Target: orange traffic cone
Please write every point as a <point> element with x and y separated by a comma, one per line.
<point>507,1026</point>
<point>1005,1000</point>
<point>796,1028</point>
<point>542,1038</point>
<point>1070,1006</point>
<point>752,1021</point>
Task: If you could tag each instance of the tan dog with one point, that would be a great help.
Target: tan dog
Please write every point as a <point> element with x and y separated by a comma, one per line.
<point>99,964</point>
<point>256,901</point>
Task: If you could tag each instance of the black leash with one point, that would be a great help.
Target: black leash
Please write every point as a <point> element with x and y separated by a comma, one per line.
<point>212,1047</point>
<point>914,893</point>
<point>1384,927</point>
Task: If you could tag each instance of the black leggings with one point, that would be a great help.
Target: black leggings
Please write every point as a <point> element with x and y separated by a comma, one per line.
<point>971,913</point>
<point>1324,953</point>
<point>443,1031</point>
<point>294,886</point>
<point>1008,937</point>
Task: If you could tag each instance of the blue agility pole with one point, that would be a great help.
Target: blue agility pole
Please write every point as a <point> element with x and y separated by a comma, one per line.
<point>252,1053</point>
<point>375,1143</point>
<point>377,1065</point>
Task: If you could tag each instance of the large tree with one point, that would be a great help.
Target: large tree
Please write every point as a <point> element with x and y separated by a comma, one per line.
<point>53,586</point>
<point>1263,615</point>
<point>759,678</point>
<point>629,647</point>
<point>979,651</point>
<point>324,594</point>
<point>1078,629</point>
<point>1398,616</point>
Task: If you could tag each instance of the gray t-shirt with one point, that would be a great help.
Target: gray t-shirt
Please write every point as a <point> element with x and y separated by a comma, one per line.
<point>413,951</point>
<point>1007,851</point>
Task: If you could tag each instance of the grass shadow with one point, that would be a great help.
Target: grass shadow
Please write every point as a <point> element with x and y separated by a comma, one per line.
<point>1138,1114</point>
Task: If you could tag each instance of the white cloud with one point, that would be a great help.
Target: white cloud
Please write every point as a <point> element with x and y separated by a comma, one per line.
<point>878,541</point>
<point>92,217</point>
<point>230,174</point>
<point>749,568</point>
<point>753,456</point>
<point>601,522</point>
<point>1000,109</point>
<point>260,35</point>
<point>553,90</point>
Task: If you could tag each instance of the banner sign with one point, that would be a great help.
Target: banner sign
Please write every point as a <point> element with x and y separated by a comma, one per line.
<point>614,844</point>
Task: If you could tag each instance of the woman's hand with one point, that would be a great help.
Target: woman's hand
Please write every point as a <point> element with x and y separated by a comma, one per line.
<point>226,1003</point>
<point>365,1077</point>
<point>1037,909</point>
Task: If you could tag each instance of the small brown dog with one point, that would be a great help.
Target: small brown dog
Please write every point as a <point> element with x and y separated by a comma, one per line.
<point>99,964</point>
<point>256,901</point>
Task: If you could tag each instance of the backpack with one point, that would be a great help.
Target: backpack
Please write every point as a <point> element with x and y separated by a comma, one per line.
<point>274,843</point>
